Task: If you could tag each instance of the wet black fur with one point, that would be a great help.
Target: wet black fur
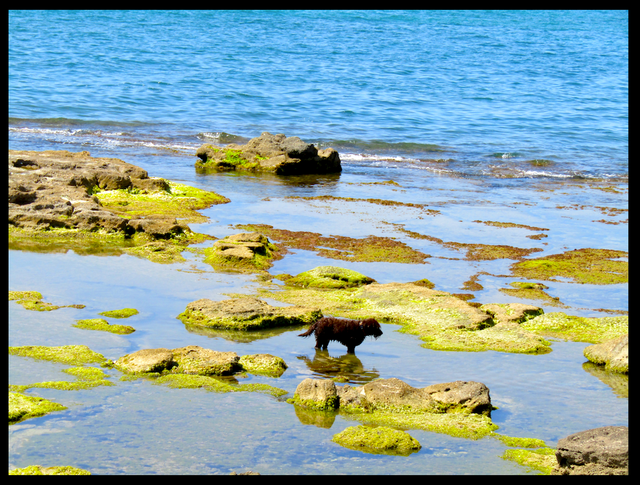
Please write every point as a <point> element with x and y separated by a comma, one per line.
<point>349,333</point>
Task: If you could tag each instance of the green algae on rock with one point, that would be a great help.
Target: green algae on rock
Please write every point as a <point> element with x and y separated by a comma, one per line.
<point>377,440</point>
<point>99,205</point>
<point>329,277</point>
<point>441,320</point>
<point>269,153</point>
<point>542,459</point>
<point>103,325</point>
<point>588,266</point>
<point>245,314</point>
<point>612,354</point>
<point>208,383</point>
<point>49,470</point>
<point>123,313</point>
<point>265,364</point>
<point>65,354</point>
<point>579,329</point>
<point>32,300</point>
<point>23,407</point>
<point>244,252</point>
<point>532,291</point>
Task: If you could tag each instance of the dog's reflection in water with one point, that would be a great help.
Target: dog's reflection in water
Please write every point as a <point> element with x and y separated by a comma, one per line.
<point>345,368</point>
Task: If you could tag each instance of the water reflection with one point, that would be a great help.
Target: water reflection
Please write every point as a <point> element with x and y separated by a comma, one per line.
<point>619,383</point>
<point>346,368</point>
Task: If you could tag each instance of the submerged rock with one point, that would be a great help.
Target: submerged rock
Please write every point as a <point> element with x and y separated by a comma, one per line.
<point>245,314</point>
<point>613,354</point>
<point>599,451</point>
<point>269,153</point>
<point>49,470</point>
<point>377,440</point>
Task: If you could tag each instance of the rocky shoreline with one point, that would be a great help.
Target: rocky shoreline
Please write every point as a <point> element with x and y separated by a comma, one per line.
<point>59,199</point>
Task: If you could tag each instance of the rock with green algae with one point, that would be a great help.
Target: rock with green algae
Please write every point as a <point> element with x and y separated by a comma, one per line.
<point>265,364</point>
<point>459,409</point>
<point>192,360</point>
<point>542,460</point>
<point>580,329</point>
<point>329,277</point>
<point>65,354</point>
<point>269,153</point>
<point>32,300</point>
<point>209,383</point>
<point>377,440</point>
<point>49,470</point>
<point>122,313</point>
<point>87,378</point>
<point>612,354</point>
<point>23,407</point>
<point>589,266</point>
<point>245,314</point>
<point>103,325</point>
<point>243,252</point>
<point>440,319</point>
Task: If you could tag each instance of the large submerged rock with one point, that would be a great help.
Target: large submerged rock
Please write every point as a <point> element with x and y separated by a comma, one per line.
<point>269,153</point>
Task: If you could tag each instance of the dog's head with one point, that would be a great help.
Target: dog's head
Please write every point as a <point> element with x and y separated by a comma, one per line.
<point>370,326</point>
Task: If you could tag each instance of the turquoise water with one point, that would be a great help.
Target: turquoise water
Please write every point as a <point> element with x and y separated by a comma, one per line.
<point>452,106</point>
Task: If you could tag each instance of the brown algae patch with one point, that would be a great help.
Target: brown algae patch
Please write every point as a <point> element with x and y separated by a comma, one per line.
<point>23,407</point>
<point>123,313</point>
<point>589,266</point>
<point>377,440</point>
<point>511,224</point>
<point>532,291</point>
<point>579,329</point>
<point>474,251</point>
<point>103,325</point>
<point>383,202</point>
<point>369,249</point>
<point>65,354</point>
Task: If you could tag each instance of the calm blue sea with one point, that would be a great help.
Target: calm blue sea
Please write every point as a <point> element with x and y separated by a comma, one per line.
<point>489,90</point>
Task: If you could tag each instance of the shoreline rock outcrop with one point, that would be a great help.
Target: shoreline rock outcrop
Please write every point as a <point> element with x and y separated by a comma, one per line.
<point>269,153</point>
<point>613,354</point>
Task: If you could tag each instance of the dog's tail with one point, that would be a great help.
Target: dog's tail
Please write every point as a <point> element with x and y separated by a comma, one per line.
<point>312,329</point>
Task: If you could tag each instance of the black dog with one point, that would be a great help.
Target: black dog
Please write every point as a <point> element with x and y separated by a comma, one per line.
<point>349,333</point>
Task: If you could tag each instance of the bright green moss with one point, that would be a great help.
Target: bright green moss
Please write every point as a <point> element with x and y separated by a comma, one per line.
<point>66,354</point>
<point>103,325</point>
<point>25,295</point>
<point>588,266</point>
<point>208,383</point>
<point>329,277</point>
<point>579,329</point>
<point>123,313</point>
<point>23,407</point>
<point>543,459</point>
<point>519,442</point>
<point>51,470</point>
<point>377,440</point>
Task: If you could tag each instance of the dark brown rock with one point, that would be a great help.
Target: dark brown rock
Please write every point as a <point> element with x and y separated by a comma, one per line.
<point>270,153</point>
<point>595,451</point>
